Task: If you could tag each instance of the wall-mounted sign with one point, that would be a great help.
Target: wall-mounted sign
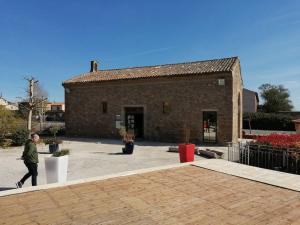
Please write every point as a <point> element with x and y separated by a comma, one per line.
<point>118,124</point>
<point>118,121</point>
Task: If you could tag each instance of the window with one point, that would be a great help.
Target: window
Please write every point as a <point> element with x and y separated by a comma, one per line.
<point>221,82</point>
<point>104,107</point>
<point>166,107</point>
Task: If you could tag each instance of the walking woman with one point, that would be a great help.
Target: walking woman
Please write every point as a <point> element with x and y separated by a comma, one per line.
<point>30,157</point>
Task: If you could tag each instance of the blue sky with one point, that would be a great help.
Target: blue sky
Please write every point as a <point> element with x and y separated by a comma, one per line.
<point>54,40</point>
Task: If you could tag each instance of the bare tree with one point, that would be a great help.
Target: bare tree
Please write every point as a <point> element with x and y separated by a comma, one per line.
<point>39,92</point>
<point>35,101</point>
<point>40,95</point>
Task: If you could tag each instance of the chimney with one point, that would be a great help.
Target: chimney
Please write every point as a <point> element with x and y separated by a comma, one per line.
<point>94,66</point>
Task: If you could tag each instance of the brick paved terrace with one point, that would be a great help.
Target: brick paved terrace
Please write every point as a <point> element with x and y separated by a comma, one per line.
<point>184,195</point>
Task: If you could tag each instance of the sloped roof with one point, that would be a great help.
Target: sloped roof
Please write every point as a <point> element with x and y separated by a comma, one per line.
<point>187,68</point>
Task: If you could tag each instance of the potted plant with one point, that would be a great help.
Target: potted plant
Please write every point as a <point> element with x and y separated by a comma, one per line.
<point>53,142</point>
<point>186,149</point>
<point>57,166</point>
<point>128,140</point>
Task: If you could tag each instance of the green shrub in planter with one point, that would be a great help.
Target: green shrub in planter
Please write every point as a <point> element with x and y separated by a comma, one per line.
<point>61,153</point>
<point>53,130</point>
<point>51,141</point>
<point>61,131</point>
<point>19,137</point>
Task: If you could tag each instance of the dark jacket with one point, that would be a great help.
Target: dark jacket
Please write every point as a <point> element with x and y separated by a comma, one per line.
<point>30,154</point>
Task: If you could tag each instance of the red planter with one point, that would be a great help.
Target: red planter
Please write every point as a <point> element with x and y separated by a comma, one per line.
<point>186,152</point>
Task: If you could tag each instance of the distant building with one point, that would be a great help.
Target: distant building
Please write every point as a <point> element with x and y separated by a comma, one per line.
<point>8,105</point>
<point>55,106</point>
<point>55,111</point>
<point>250,100</point>
<point>158,102</point>
<point>297,125</point>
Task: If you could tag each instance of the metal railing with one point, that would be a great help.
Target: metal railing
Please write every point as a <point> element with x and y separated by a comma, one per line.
<point>274,158</point>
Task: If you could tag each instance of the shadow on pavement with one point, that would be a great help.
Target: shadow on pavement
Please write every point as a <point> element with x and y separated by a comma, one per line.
<point>116,153</point>
<point>6,188</point>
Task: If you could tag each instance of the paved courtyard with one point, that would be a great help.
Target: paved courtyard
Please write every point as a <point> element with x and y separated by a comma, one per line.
<point>89,158</point>
<point>185,195</point>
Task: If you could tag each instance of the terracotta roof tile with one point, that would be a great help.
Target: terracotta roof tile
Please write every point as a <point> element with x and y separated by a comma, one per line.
<point>188,68</point>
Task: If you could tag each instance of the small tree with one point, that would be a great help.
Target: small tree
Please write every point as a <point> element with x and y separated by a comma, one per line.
<point>186,132</point>
<point>276,98</point>
<point>122,131</point>
<point>186,122</point>
<point>54,130</point>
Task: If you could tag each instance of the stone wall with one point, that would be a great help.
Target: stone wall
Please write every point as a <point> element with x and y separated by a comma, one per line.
<point>249,101</point>
<point>237,103</point>
<point>187,96</point>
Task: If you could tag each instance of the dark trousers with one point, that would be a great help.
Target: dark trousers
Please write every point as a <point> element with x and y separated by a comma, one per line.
<point>32,171</point>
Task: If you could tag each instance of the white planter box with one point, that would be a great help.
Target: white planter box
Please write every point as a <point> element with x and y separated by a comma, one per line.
<point>56,169</point>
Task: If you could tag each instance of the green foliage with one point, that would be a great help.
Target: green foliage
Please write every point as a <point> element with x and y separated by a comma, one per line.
<point>4,142</point>
<point>268,121</point>
<point>9,122</point>
<point>49,132</point>
<point>122,131</point>
<point>50,141</point>
<point>61,153</point>
<point>54,129</point>
<point>19,137</point>
<point>276,98</point>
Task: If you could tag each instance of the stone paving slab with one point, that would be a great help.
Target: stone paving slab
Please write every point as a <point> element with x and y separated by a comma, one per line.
<point>183,195</point>
<point>90,158</point>
<point>85,180</point>
<point>280,179</point>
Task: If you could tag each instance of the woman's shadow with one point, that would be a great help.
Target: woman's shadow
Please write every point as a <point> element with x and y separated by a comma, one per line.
<point>6,188</point>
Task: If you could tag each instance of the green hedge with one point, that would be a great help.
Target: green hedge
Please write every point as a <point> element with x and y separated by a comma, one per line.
<point>268,121</point>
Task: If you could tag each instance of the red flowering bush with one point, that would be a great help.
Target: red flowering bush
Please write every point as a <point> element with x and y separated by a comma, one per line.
<point>280,140</point>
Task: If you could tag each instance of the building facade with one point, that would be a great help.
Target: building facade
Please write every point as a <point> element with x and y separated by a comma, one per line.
<point>55,111</point>
<point>8,105</point>
<point>160,103</point>
<point>55,106</point>
<point>250,100</point>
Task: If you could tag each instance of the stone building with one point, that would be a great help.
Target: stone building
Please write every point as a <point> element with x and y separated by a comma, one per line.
<point>250,100</point>
<point>160,103</point>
